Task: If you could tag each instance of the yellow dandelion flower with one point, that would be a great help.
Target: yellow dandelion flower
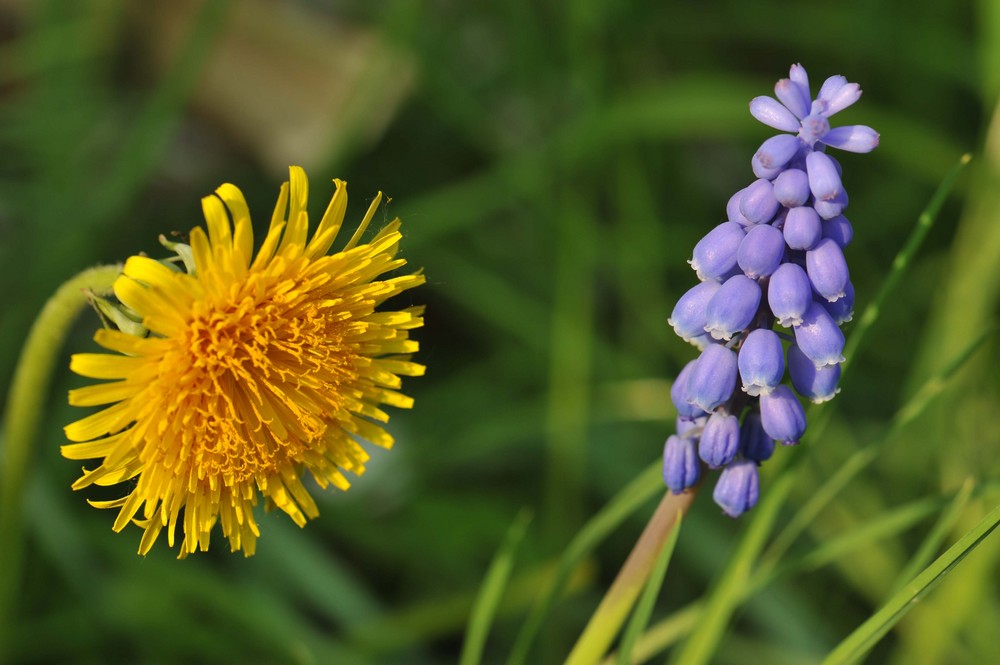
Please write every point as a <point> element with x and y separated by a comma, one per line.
<point>254,370</point>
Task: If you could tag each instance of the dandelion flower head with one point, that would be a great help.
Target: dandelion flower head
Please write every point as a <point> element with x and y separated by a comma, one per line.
<point>250,370</point>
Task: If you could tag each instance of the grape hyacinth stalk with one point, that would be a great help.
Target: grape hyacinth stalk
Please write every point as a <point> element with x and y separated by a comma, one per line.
<point>778,259</point>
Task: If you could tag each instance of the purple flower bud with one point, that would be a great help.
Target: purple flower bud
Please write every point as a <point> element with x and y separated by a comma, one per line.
<point>712,379</point>
<point>761,362</point>
<point>829,88</point>
<point>832,208</point>
<point>761,251</point>
<point>791,94</point>
<point>720,440</point>
<point>839,229</point>
<point>755,444</point>
<point>762,171</point>
<point>737,488</point>
<point>842,309</point>
<point>733,307</point>
<point>797,73</point>
<point>789,294</point>
<point>852,138</point>
<point>770,112</point>
<point>802,228</point>
<point>678,394</point>
<point>824,181</point>
<point>814,128</point>
<point>791,188</point>
<point>758,204</point>
<point>827,269</point>
<point>688,317</point>
<point>837,94</point>
<point>775,152</point>
<point>819,338</point>
<point>733,213</point>
<point>680,464</point>
<point>782,416</point>
<point>817,385</point>
<point>715,255</point>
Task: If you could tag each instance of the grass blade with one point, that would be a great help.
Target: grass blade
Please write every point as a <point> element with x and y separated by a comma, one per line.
<point>492,591</point>
<point>936,536</point>
<point>858,643</point>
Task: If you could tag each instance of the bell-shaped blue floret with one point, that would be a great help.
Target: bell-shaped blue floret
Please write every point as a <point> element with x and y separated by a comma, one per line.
<point>712,379</point>
<point>761,251</point>
<point>824,179</point>
<point>816,385</point>
<point>720,440</point>
<point>782,416</point>
<point>680,464</point>
<point>678,394</point>
<point>819,338</point>
<point>789,294</point>
<point>738,488</point>
<point>714,256</point>
<point>733,307</point>
<point>758,204</point>
<point>689,316</point>
<point>761,361</point>
<point>827,269</point>
<point>791,188</point>
<point>802,228</point>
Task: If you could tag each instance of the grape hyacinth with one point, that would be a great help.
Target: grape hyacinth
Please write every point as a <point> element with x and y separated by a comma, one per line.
<point>777,260</point>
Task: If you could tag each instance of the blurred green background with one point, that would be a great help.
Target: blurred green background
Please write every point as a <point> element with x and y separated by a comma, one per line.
<point>554,164</point>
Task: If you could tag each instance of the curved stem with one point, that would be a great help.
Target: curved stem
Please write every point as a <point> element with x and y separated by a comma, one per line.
<point>621,596</point>
<point>25,401</point>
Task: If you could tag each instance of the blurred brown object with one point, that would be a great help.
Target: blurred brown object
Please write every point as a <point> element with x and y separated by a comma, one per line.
<point>291,84</point>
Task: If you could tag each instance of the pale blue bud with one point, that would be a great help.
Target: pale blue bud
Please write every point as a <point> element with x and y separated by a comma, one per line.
<point>852,138</point>
<point>720,440</point>
<point>782,416</point>
<point>824,180</point>
<point>732,307</point>
<point>770,112</point>
<point>761,251</point>
<point>758,204</point>
<point>761,361</point>
<point>712,379</point>
<point>817,385</point>
<point>678,394</point>
<point>819,338</point>
<point>680,464</point>
<point>802,228</point>
<point>689,316</point>
<point>827,269</point>
<point>738,488</point>
<point>789,294</point>
<point>791,188</point>
<point>776,151</point>
<point>714,256</point>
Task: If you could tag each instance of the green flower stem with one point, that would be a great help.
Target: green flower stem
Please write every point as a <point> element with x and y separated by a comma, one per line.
<point>618,601</point>
<point>25,402</point>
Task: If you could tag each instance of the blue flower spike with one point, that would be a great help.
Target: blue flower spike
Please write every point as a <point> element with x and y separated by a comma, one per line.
<point>778,260</point>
